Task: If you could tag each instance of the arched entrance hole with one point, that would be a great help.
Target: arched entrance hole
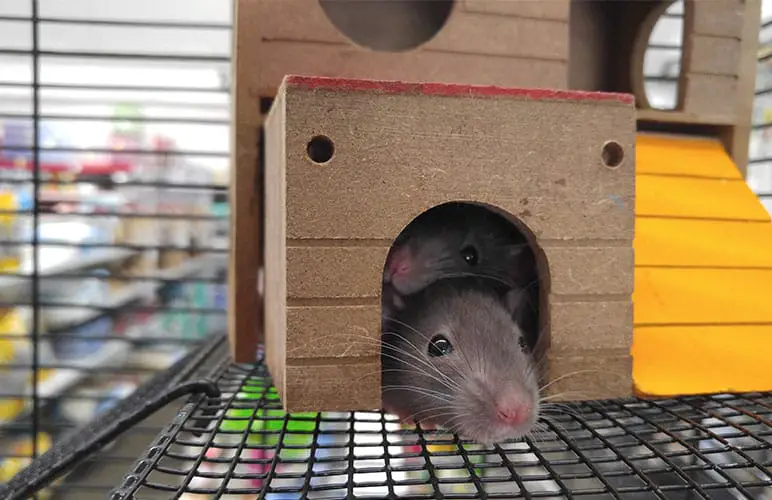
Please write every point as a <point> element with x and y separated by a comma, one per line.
<point>388,25</point>
<point>460,238</point>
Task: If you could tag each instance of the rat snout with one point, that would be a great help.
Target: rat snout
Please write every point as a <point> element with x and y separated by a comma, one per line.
<point>514,410</point>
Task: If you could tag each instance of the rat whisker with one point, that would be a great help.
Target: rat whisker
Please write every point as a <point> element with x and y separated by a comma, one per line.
<point>421,360</point>
<point>418,420</point>
<point>560,409</point>
<point>417,372</point>
<point>446,380</point>
<point>571,374</point>
<point>492,277</point>
<point>426,337</point>
<point>428,392</point>
<point>388,346</point>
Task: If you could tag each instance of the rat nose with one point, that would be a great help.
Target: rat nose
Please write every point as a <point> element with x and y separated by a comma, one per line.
<point>513,412</point>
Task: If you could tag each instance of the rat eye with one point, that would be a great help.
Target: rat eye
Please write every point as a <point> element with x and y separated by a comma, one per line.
<point>469,254</point>
<point>523,344</point>
<point>439,346</point>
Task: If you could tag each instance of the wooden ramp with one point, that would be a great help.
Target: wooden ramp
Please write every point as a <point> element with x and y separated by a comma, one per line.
<point>703,275</point>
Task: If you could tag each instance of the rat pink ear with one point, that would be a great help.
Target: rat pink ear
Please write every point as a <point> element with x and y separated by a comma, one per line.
<point>398,262</point>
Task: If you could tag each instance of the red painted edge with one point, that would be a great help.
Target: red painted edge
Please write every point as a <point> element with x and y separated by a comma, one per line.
<point>450,89</point>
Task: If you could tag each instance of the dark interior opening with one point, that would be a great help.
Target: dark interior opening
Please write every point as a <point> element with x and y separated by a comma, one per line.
<point>529,269</point>
<point>609,40</point>
<point>388,25</point>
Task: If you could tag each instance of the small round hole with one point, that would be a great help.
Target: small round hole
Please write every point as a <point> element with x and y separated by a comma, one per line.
<point>320,149</point>
<point>612,154</point>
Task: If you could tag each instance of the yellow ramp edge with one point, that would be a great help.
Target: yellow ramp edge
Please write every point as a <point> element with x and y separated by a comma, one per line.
<point>688,156</point>
<point>703,277</point>
<point>691,197</point>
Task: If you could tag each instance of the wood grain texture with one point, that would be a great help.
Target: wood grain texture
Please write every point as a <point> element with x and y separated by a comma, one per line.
<point>313,59</point>
<point>245,314</point>
<point>556,10</point>
<point>590,325</point>
<point>333,331</point>
<point>736,139</point>
<point>689,296</point>
<point>334,235</point>
<point>504,161</point>
<point>659,353</point>
<point>589,37</point>
<point>604,374</point>
<point>357,271</point>
<point>718,18</point>
<point>703,243</point>
<point>463,32</point>
<point>714,95</point>
<point>697,198</point>
<point>710,60</point>
<point>334,387</point>
<point>275,301</point>
<point>714,56</point>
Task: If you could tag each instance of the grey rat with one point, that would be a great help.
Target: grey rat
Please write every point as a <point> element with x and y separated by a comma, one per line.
<point>455,240</point>
<point>453,357</point>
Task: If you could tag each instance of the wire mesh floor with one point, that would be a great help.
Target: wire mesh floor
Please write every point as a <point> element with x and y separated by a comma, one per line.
<point>697,447</point>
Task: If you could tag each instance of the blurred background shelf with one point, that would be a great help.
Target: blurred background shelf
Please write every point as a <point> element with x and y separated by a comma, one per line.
<point>132,224</point>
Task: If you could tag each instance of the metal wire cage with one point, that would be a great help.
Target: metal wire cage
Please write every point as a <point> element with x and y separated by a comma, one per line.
<point>239,443</point>
<point>695,447</point>
<point>113,232</point>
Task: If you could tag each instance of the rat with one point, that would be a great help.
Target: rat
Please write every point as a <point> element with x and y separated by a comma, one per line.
<point>456,240</point>
<point>454,358</point>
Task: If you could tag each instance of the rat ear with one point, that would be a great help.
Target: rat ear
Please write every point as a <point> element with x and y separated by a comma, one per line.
<point>398,261</point>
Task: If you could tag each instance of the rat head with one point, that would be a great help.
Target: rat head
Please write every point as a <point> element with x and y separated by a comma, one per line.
<point>453,357</point>
<point>469,243</point>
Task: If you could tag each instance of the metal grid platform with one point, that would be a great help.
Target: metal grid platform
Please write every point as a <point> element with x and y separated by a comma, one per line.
<point>697,447</point>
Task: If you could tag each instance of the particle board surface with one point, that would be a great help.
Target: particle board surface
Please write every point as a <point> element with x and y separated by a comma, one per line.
<point>715,56</point>
<point>312,59</point>
<point>398,135</point>
<point>556,10</point>
<point>463,32</point>
<point>700,91</point>
<point>245,312</point>
<point>718,18</point>
<point>577,376</point>
<point>275,301</point>
<point>422,145</point>
<point>478,46</point>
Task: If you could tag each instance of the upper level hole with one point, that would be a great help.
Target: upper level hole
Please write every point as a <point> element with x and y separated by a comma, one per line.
<point>388,25</point>
<point>320,149</point>
<point>662,58</point>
